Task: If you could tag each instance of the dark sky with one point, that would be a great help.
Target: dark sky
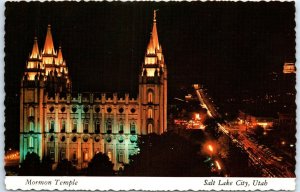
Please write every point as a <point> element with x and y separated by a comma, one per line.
<point>221,44</point>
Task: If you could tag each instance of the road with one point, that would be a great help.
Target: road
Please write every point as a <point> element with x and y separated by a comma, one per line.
<point>260,157</point>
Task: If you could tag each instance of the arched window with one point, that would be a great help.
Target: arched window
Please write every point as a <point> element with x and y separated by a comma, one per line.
<point>74,156</point>
<point>86,126</point>
<point>31,111</point>
<point>52,124</point>
<point>150,96</point>
<point>150,128</point>
<point>132,128</point>
<point>85,156</point>
<point>74,130</point>
<point>51,148</point>
<point>109,154</point>
<point>150,113</point>
<point>121,128</point>
<point>121,157</point>
<point>97,126</point>
<point>62,154</point>
<point>30,142</point>
<point>63,126</point>
<point>109,126</point>
<point>31,126</point>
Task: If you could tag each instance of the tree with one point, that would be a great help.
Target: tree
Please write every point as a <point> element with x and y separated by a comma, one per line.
<point>166,155</point>
<point>212,127</point>
<point>31,165</point>
<point>65,168</point>
<point>224,142</point>
<point>237,162</point>
<point>100,165</point>
<point>46,166</point>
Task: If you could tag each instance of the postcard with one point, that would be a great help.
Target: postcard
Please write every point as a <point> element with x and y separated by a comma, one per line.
<point>150,95</point>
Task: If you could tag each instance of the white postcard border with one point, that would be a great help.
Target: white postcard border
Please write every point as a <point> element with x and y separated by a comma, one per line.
<point>149,183</point>
<point>144,183</point>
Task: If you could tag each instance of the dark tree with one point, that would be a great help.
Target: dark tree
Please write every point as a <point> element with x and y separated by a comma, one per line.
<point>65,168</point>
<point>100,165</point>
<point>46,166</point>
<point>212,127</point>
<point>31,165</point>
<point>238,163</point>
<point>166,155</point>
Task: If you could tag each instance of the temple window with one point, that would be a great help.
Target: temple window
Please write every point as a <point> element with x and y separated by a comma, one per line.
<point>121,157</point>
<point>85,156</point>
<point>86,126</point>
<point>97,127</point>
<point>30,142</point>
<point>150,128</point>
<point>150,96</point>
<point>31,126</point>
<point>74,130</point>
<point>52,125</point>
<point>109,154</point>
<point>150,113</point>
<point>109,126</point>
<point>63,126</point>
<point>132,128</point>
<point>31,111</point>
<point>121,128</point>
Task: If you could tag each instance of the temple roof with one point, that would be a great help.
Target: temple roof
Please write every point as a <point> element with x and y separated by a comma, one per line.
<point>60,56</point>
<point>49,47</point>
<point>35,50</point>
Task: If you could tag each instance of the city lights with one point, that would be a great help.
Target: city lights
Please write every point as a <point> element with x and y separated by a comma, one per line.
<point>227,112</point>
<point>218,165</point>
<point>197,116</point>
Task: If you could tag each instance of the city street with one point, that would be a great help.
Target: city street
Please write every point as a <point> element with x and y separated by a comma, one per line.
<point>261,157</point>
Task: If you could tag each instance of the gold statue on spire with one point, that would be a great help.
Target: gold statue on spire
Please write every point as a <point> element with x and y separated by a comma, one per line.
<point>154,15</point>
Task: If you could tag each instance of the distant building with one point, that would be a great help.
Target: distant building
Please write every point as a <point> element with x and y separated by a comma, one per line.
<point>252,121</point>
<point>286,120</point>
<point>57,123</point>
<point>289,68</point>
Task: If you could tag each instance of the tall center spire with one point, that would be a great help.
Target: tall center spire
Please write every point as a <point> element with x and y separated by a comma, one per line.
<point>153,43</point>
<point>154,32</point>
<point>49,47</point>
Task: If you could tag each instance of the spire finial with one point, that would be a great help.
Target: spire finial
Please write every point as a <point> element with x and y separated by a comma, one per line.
<point>154,14</point>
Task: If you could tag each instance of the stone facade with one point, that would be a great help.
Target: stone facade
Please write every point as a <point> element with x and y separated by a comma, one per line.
<point>59,124</point>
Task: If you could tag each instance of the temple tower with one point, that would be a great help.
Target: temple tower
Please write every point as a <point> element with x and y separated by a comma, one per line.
<point>46,74</point>
<point>153,87</point>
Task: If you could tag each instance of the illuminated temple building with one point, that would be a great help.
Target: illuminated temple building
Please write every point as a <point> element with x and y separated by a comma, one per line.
<point>57,124</point>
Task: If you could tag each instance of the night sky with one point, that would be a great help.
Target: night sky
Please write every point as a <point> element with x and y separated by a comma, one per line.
<point>224,45</point>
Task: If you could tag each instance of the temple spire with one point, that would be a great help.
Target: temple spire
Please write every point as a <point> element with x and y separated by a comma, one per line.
<point>59,56</point>
<point>49,47</point>
<point>153,43</point>
<point>35,49</point>
<point>154,32</point>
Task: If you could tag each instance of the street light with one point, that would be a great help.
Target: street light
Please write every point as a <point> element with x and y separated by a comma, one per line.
<point>197,116</point>
<point>210,148</point>
<point>218,165</point>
